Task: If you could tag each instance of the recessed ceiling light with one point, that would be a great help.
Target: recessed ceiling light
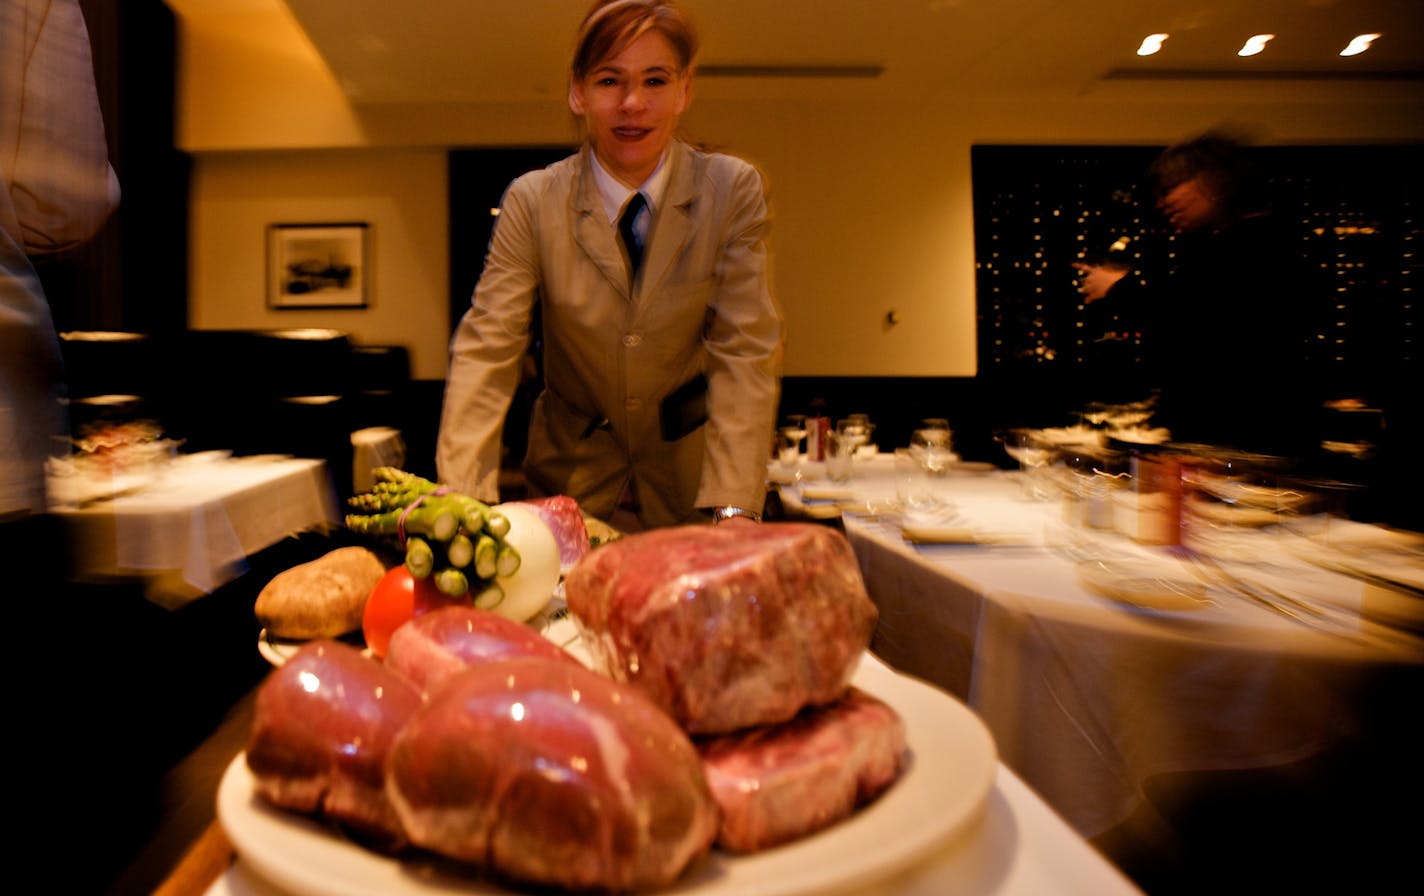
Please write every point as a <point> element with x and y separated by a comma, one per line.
<point>1360,44</point>
<point>1151,44</point>
<point>1254,44</point>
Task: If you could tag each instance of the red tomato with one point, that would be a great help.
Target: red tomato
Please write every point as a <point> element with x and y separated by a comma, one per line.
<point>396,599</point>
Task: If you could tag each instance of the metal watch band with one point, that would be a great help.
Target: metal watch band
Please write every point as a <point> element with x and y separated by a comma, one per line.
<point>725,513</point>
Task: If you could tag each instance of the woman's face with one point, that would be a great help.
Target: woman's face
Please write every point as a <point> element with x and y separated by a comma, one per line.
<point>631,104</point>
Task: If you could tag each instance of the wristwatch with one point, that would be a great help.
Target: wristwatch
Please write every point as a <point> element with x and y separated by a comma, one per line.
<point>726,512</point>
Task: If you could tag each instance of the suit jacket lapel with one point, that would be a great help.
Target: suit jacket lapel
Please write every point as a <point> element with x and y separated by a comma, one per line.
<point>673,223</point>
<point>589,224</point>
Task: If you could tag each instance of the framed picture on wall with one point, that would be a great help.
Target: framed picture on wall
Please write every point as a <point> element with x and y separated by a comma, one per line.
<point>317,266</point>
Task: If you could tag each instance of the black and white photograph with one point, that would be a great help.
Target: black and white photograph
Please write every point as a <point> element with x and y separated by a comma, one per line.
<point>316,265</point>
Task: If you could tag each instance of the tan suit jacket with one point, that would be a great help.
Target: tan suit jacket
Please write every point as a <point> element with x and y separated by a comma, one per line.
<point>613,350</point>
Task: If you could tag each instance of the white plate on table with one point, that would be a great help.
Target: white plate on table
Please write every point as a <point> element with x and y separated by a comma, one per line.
<point>943,791</point>
<point>278,650</point>
<point>1390,562</point>
<point>961,534</point>
<point>971,466</point>
<point>206,457</point>
<point>1148,585</point>
<point>80,491</point>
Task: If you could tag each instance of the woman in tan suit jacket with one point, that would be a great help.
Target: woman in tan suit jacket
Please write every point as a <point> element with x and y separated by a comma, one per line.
<point>661,378</point>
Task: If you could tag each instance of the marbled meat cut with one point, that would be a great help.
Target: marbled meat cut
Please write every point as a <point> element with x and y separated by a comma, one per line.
<point>726,627</point>
<point>779,783</point>
<point>435,645</point>
<point>545,772</point>
<point>564,518</point>
<point>322,725</point>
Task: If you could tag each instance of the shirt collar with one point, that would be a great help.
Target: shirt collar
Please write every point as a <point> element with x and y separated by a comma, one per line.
<point>615,195</point>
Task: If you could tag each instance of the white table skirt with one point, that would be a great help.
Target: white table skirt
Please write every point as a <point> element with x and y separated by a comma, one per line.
<point>1087,697</point>
<point>193,527</point>
<point>372,447</point>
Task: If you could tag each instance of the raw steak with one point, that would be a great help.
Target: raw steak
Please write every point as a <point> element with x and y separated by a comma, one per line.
<point>726,627</point>
<point>435,645</point>
<point>322,725</point>
<point>546,772</point>
<point>564,518</point>
<point>781,782</point>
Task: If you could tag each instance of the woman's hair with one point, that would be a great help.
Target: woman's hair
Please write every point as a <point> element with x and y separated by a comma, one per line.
<point>611,25</point>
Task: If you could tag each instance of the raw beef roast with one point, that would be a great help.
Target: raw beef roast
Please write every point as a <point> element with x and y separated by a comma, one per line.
<point>726,627</point>
<point>322,725</point>
<point>780,782</point>
<point>548,773</point>
<point>435,645</point>
<point>564,518</point>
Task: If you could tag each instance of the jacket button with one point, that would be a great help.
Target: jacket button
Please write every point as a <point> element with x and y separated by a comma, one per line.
<point>632,340</point>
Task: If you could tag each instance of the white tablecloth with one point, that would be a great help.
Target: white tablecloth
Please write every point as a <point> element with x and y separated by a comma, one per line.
<point>374,446</point>
<point>1088,697</point>
<point>193,526</point>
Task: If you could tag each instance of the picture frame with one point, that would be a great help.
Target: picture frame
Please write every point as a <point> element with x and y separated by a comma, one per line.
<point>317,266</point>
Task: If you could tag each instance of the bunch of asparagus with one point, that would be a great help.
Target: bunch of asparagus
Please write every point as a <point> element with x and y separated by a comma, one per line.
<point>458,541</point>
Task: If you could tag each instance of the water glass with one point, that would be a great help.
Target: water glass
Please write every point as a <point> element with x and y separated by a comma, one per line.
<point>788,448</point>
<point>914,486</point>
<point>840,456</point>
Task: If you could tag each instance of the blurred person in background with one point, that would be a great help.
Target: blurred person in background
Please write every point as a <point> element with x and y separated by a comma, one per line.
<point>661,380</point>
<point>1226,329</point>
<point>58,190</point>
<point>1118,329</point>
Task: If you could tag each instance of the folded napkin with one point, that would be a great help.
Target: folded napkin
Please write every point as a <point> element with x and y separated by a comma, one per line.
<point>826,493</point>
<point>927,534</point>
<point>972,466</point>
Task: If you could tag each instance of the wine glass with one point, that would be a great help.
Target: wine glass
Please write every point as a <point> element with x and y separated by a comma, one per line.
<point>1033,453</point>
<point>788,446</point>
<point>1096,413</point>
<point>795,430</point>
<point>932,447</point>
<point>796,426</point>
<point>855,428</point>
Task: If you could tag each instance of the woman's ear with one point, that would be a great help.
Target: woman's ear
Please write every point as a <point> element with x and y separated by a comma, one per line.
<point>686,99</point>
<point>576,104</point>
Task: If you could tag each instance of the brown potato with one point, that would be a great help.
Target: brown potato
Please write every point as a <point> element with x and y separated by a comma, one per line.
<point>322,598</point>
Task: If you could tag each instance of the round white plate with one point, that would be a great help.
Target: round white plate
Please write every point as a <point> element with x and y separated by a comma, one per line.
<point>207,457</point>
<point>943,790</point>
<point>278,650</point>
<point>1152,586</point>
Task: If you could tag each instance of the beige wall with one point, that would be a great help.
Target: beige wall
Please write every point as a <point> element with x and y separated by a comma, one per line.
<point>872,203</point>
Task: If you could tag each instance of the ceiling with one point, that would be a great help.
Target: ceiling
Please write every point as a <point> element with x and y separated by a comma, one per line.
<point>907,50</point>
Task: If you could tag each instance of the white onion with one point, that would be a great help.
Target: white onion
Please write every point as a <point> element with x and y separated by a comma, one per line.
<point>532,586</point>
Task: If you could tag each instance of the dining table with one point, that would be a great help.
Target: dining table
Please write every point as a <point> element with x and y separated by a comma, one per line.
<point>1104,660</point>
<point>185,524</point>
